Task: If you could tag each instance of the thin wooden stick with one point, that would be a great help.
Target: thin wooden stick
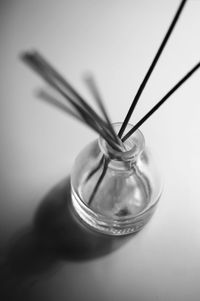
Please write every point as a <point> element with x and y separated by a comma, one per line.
<point>63,83</point>
<point>58,81</point>
<point>45,96</point>
<point>89,79</point>
<point>153,64</point>
<point>95,169</point>
<point>105,165</point>
<point>155,108</point>
<point>53,101</point>
<point>90,120</point>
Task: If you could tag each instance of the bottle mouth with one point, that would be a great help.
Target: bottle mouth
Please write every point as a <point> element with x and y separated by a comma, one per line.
<point>133,146</point>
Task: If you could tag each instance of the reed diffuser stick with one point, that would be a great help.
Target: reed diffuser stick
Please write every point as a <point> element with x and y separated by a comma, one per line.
<point>89,79</point>
<point>155,108</point>
<point>93,171</point>
<point>48,98</point>
<point>49,74</point>
<point>142,86</point>
<point>105,166</point>
<point>68,87</point>
<point>95,92</point>
<point>53,101</point>
<point>152,66</point>
<point>85,111</point>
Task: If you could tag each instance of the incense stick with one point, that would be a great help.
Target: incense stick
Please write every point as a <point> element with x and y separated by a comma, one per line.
<point>155,108</point>
<point>152,66</point>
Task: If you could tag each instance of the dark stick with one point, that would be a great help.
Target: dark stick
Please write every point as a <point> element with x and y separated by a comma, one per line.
<point>161,102</point>
<point>89,79</point>
<point>90,120</point>
<point>95,169</point>
<point>105,165</point>
<point>147,76</point>
<point>53,101</point>
<point>42,61</point>
<point>95,91</point>
<point>45,96</point>
<point>58,82</point>
<point>142,86</point>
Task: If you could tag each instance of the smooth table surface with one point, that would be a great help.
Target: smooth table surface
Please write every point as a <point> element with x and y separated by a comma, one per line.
<point>45,253</point>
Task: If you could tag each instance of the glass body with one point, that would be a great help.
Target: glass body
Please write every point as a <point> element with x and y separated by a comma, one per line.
<point>129,188</point>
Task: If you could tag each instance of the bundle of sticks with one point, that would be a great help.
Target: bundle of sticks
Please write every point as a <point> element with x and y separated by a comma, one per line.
<point>80,109</point>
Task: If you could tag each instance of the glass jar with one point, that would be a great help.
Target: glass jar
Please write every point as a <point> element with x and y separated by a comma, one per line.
<point>115,192</point>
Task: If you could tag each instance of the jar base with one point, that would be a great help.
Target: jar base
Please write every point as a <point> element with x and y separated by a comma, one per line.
<point>103,224</point>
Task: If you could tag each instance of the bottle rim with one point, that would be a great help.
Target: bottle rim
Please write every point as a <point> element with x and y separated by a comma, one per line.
<point>134,145</point>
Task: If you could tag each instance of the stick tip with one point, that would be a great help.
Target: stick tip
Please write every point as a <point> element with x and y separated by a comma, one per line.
<point>28,55</point>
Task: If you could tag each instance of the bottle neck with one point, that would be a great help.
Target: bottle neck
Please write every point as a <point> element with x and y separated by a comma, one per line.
<point>133,147</point>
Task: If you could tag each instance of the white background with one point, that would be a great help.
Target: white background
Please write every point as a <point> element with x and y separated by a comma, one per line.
<point>116,41</point>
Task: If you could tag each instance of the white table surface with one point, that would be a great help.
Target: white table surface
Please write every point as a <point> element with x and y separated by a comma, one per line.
<point>45,255</point>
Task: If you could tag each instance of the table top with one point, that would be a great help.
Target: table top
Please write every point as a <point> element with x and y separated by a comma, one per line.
<point>45,253</point>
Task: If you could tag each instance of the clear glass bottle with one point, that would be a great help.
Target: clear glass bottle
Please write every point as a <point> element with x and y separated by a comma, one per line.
<point>128,192</point>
